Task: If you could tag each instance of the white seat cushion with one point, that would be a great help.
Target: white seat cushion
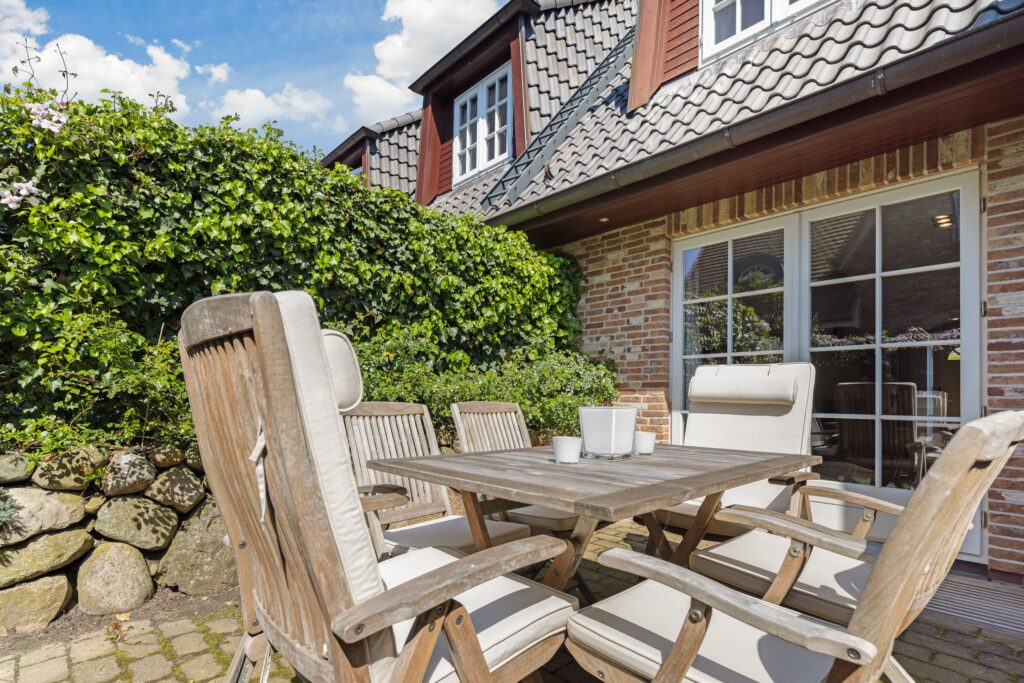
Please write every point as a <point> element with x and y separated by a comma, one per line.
<point>829,585</point>
<point>636,629</point>
<point>450,531</point>
<point>541,517</point>
<point>510,613</point>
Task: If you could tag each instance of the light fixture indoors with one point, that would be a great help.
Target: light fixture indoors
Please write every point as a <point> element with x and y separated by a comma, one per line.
<point>603,219</point>
<point>943,221</point>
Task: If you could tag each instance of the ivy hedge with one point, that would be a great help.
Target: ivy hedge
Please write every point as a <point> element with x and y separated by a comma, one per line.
<point>113,218</point>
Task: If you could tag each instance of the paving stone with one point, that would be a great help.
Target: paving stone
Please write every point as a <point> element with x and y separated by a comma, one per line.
<point>224,625</point>
<point>930,672</point>
<point>45,672</point>
<point>43,654</point>
<point>188,644</point>
<point>96,671</point>
<point>95,646</point>
<point>176,628</point>
<point>230,643</point>
<point>202,668</point>
<point>139,645</point>
<point>7,667</point>
<point>150,669</point>
<point>972,670</point>
<point>1014,666</point>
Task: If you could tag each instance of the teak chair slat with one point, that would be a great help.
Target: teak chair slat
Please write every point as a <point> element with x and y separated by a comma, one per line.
<point>256,372</point>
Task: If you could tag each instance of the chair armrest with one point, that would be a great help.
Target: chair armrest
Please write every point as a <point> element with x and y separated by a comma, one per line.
<point>860,499</point>
<point>794,478</point>
<point>382,501</point>
<point>427,591</point>
<point>382,488</point>
<point>798,529</point>
<point>796,628</point>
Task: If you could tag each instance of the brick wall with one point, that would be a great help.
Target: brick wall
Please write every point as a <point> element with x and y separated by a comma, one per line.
<point>626,309</point>
<point>626,313</point>
<point>1004,190</point>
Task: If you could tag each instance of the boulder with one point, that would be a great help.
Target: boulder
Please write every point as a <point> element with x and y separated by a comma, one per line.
<point>129,471</point>
<point>40,511</point>
<point>41,555</point>
<point>114,578</point>
<point>193,460</point>
<point>166,456</point>
<point>94,503</point>
<point>178,488</point>
<point>31,606</point>
<point>69,471</point>
<point>14,467</point>
<point>138,521</point>
<point>198,561</point>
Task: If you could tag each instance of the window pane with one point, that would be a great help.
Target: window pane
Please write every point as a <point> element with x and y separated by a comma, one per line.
<point>922,306</point>
<point>705,271</point>
<point>757,261</point>
<point>725,22</point>
<point>847,449</point>
<point>705,328</point>
<point>844,381</point>
<point>931,377</point>
<point>472,108</point>
<point>503,88</point>
<point>462,163</point>
<point>502,143</point>
<point>492,91</point>
<point>843,246</point>
<point>492,121</point>
<point>909,447</point>
<point>752,12</point>
<point>843,314</point>
<point>757,322</point>
<point>759,359</point>
<point>502,116</point>
<point>921,232</point>
<point>490,148</point>
<point>689,368</point>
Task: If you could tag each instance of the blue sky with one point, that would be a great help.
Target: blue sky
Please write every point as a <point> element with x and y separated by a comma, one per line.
<point>320,68</point>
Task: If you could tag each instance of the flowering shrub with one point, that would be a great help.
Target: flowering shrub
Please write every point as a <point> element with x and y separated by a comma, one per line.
<point>114,219</point>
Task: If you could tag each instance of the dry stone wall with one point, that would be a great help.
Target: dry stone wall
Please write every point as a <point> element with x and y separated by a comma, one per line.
<point>101,528</point>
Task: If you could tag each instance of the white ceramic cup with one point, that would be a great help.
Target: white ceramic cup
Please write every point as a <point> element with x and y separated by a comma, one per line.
<point>567,449</point>
<point>643,442</point>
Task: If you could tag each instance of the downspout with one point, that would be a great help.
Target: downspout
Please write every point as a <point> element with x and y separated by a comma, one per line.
<point>957,52</point>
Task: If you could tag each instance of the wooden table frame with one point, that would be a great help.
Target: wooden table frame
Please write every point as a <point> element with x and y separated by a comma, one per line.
<point>596,490</point>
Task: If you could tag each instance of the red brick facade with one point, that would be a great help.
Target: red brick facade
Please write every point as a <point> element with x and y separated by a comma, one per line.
<point>626,309</point>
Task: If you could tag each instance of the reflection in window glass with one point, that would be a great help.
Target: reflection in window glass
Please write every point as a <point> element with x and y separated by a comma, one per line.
<point>847,449</point>
<point>922,306</point>
<point>844,381</point>
<point>757,322</point>
<point>706,271</point>
<point>757,262</point>
<point>705,327</point>
<point>932,374</point>
<point>725,21</point>
<point>843,246</point>
<point>689,369</point>
<point>752,12</point>
<point>921,232</point>
<point>909,447</point>
<point>843,314</point>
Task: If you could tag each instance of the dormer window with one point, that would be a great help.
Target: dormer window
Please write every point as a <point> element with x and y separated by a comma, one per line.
<point>483,130</point>
<point>728,23</point>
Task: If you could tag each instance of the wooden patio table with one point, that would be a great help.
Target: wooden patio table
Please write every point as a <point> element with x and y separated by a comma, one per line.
<point>596,490</point>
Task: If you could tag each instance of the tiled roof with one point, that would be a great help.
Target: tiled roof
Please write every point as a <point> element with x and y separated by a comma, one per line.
<point>562,46</point>
<point>469,197</point>
<point>842,41</point>
<point>394,154</point>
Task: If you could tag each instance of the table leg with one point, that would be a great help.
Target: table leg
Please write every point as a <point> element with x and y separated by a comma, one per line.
<point>696,532</point>
<point>477,521</point>
<point>565,565</point>
<point>656,537</point>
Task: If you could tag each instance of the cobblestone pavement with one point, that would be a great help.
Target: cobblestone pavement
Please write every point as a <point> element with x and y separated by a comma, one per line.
<point>199,649</point>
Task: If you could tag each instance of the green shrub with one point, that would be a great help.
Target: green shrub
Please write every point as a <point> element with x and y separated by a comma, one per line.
<point>118,218</point>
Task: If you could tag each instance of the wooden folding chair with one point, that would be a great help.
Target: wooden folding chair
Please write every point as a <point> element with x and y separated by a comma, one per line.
<point>272,444</point>
<point>680,625</point>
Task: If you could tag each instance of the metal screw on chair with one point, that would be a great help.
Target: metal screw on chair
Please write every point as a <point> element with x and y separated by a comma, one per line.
<point>458,620</point>
<point>852,654</point>
<point>242,545</point>
<point>696,615</point>
<point>359,630</point>
<point>431,627</point>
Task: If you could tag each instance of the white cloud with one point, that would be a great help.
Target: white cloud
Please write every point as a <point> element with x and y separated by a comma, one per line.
<point>216,73</point>
<point>291,103</point>
<point>428,30</point>
<point>181,45</point>
<point>96,68</point>
<point>134,40</point>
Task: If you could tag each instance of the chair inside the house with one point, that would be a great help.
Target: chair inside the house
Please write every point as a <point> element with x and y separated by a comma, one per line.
<point>273,445</point>
<point>680,625</point>
<point>764,407</point>
<point>383,430</point>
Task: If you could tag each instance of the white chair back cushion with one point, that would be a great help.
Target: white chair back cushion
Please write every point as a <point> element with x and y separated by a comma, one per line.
<point>763,408</point>
<point>344,366</point>
<point>327,445</point>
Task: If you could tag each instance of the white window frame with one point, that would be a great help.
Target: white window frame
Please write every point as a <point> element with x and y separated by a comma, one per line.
<point>480,92</point>
<point>775,13</point>
<point>797,304</point>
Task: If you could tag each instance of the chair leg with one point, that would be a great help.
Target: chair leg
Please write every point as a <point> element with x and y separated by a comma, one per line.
<point>241,667</point>
<point>589,597</point>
